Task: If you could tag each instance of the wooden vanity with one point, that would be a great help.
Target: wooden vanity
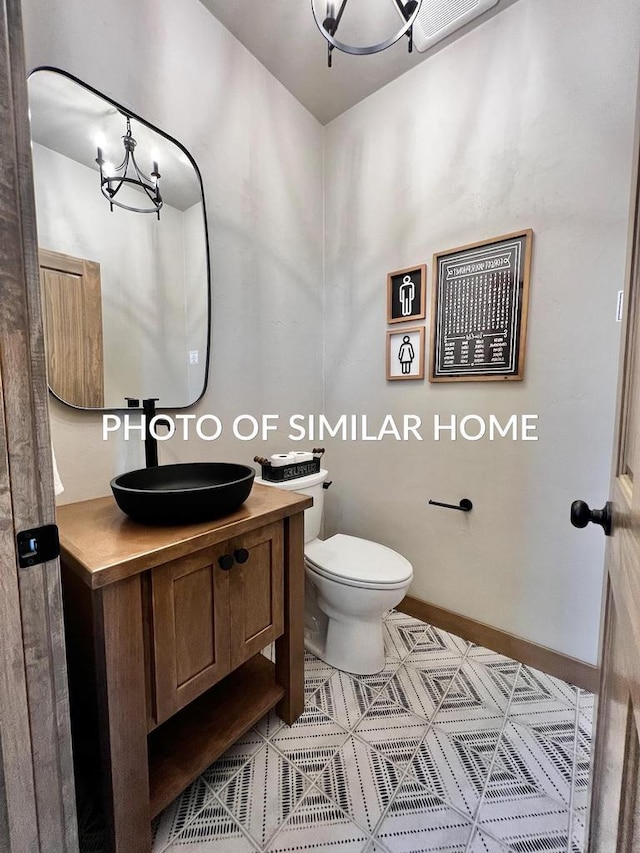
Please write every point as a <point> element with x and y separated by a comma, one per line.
<point>164,638</point>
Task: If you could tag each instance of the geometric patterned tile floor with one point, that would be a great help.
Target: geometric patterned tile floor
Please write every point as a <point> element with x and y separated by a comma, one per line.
<point>451,748</point>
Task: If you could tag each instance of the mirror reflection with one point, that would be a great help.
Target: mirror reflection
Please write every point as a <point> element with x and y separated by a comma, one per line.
<point>124,262</point>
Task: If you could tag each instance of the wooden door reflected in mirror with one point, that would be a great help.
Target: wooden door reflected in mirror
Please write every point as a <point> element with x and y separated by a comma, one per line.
<point>72,302</point>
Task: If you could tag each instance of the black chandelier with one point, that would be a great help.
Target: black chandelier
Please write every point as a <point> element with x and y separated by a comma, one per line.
<point>329,22</point>
<point>110,185</point>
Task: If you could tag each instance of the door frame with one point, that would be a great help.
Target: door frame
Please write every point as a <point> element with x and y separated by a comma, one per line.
<point>37,796</point>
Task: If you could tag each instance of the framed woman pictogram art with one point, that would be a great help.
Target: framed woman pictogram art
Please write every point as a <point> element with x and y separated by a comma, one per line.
<point>406,297</point>
<point>405,353</point>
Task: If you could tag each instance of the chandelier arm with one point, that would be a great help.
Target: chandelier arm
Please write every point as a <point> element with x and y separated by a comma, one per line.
<point>109,179</point>
<point>400,6</point>
<point>153,196</point>
<point>407,8</point>
<point>339,15</point>
<point>124,165</point>
<point>150,189</point>
<point>108,182</point>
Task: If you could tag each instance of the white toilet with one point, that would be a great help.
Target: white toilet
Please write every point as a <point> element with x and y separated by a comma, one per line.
<point>350,584</point>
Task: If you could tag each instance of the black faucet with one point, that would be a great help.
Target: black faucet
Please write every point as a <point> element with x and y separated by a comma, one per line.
<point>150,441</point>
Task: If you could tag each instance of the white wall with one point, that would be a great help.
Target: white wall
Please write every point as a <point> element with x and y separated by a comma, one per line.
<point>260,155</point>
<point>526,122</point>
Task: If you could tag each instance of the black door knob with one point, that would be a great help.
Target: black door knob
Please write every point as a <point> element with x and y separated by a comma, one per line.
<point>241,555</point>
<point>225,562</point>
<point>581,515</point>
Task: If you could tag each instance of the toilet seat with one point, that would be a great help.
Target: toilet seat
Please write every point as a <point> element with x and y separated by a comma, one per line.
<point>357,562</point>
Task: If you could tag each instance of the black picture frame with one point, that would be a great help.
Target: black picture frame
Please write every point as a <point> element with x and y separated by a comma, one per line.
<point>479,309</point>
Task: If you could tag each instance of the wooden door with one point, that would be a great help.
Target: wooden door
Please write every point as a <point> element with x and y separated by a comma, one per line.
<point>190,618</point>
<point>256,591</point>
<point>37,808</point>
<point>72,302</point>
<point>614,822</point>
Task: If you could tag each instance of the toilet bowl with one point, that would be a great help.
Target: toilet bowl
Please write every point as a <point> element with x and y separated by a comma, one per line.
<point>350,583</point>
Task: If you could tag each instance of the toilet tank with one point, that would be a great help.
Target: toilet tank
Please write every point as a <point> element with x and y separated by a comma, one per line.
<point>312,486</point>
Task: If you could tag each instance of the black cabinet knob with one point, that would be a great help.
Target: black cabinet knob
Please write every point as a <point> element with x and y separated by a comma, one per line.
<point>241,555</point>
<point>226,562</point>
<point>581,515</point>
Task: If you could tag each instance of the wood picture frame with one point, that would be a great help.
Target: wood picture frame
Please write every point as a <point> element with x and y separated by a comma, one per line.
<point>479,310</point>
<point>406,294</point>
<point>409,342</point>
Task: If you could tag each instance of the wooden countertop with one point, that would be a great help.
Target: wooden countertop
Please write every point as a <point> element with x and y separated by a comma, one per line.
<point>102,545</point>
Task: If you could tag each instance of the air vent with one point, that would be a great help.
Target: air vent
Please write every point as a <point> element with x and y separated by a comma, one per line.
<point>439,18</point>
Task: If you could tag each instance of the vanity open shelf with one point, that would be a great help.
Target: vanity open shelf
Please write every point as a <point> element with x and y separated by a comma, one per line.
<point>164,628</point>
<point>192,740</point>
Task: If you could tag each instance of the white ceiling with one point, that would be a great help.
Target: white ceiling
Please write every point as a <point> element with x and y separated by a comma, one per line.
<point>283,36</point>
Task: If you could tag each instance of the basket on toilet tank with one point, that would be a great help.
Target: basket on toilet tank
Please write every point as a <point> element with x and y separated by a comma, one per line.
<point>278,469</point>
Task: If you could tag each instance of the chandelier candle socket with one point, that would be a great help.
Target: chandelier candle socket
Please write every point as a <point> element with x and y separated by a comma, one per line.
<point>111,185</point>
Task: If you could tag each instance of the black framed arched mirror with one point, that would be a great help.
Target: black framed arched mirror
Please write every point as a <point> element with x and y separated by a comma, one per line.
<point>125,266</point>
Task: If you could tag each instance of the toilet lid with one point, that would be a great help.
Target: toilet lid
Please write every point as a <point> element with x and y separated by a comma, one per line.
<point>350,559</point>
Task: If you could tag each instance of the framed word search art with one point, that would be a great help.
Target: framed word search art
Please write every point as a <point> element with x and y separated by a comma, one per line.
<point>405,353</point>
<point>406,294</point>
<point>479,310</point>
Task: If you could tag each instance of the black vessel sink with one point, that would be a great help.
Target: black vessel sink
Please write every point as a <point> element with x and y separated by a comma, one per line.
<point>183,494</point>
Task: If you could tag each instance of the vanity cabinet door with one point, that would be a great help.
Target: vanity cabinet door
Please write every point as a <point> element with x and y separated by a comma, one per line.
<point>256,591</point>
<point>190,629</point>
<point>210,612</point>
